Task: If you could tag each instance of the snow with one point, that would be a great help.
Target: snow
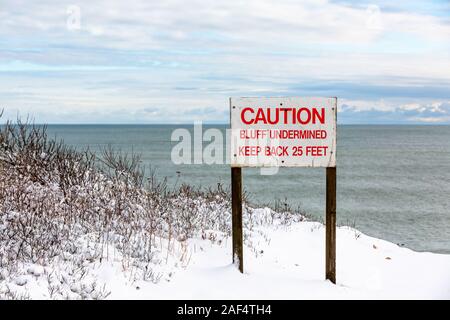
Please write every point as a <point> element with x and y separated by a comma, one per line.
<point>292,267</point>
<point>70,229</point>
<point>280,262</point>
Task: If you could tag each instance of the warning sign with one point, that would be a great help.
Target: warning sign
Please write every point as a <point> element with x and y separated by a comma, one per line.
<point>283,132</point>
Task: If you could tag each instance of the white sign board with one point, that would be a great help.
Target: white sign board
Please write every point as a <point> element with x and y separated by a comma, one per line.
<point>283,132</point>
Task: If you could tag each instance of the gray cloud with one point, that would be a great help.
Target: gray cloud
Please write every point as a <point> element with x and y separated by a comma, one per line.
<point>437,113</point>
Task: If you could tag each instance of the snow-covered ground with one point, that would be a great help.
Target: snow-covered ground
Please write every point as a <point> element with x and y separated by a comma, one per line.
<point>73,229</point>
<point>280,262</point>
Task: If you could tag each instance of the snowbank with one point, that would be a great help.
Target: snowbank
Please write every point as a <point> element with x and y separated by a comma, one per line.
<point>281,262</point>
<point>290,264</point>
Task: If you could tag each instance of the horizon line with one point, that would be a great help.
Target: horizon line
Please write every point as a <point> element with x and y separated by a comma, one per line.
<point>224,123</point>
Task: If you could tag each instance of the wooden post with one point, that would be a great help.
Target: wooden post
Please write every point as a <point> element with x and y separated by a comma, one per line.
<point>236,205</point>
<point>330,245</point>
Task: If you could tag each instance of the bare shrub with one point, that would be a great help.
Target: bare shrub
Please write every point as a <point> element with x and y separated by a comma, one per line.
<point>58,204</point>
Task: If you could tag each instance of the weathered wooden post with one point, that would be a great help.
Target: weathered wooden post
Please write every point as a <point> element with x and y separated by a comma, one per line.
<point>330,225</point>
<point>236,207</point>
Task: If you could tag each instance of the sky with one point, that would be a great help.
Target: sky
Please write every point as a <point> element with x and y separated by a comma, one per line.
<point>178,61</point>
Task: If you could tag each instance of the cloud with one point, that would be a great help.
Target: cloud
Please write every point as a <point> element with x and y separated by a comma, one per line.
<point>181,59</point>
<point>355,90</point>
<point>434,113</point>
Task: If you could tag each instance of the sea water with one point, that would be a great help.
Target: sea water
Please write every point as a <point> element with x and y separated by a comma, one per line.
<point>393,182</point>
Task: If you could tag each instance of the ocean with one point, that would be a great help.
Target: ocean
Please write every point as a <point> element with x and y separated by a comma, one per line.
<point>393,181</point>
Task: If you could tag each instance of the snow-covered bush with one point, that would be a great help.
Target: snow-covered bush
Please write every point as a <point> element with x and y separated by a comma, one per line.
<point>60,204</point>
